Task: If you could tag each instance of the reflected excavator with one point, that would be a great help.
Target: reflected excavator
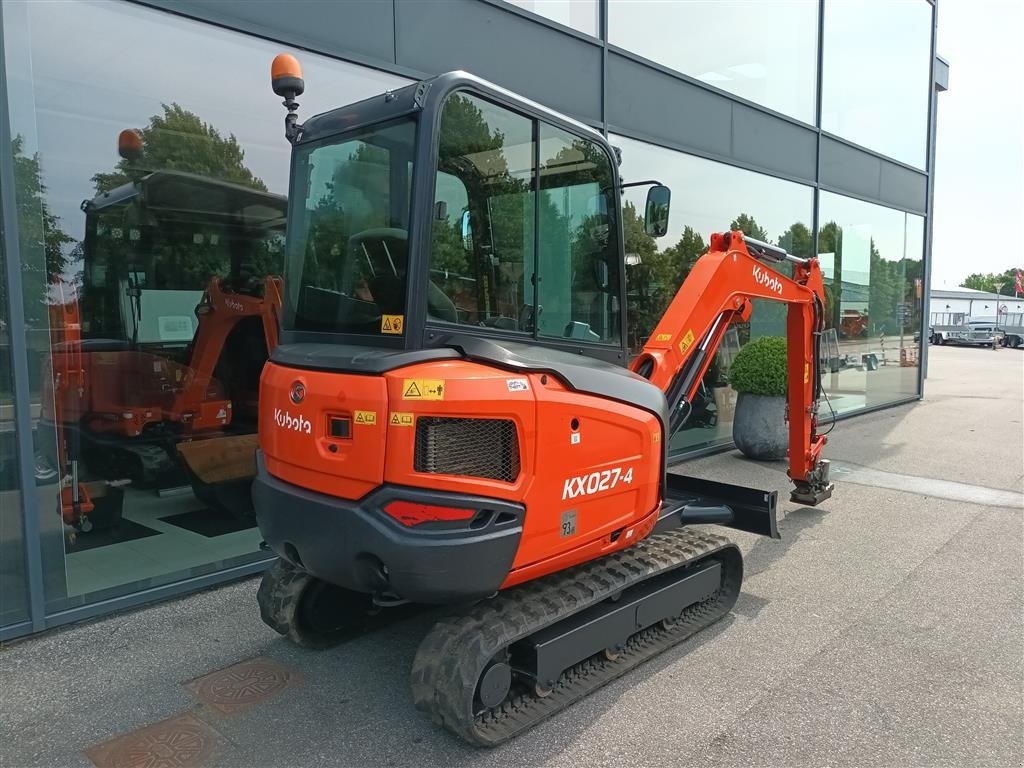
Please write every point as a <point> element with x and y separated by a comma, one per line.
<point>153,377</point>
<point>452,415</point>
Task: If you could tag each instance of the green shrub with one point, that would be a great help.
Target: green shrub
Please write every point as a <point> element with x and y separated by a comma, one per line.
<point>760,367</point>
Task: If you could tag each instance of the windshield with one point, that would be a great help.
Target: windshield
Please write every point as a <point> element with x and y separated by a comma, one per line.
<point>148,256</point>
<point>348,238</point>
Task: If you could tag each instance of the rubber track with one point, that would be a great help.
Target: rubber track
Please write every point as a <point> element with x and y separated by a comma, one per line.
<point>455,652</point>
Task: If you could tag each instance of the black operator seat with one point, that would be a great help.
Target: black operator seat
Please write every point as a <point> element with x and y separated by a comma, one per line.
<point>385,251</point>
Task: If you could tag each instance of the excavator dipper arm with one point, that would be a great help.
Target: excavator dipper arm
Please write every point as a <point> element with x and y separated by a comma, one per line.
<point>717,293</point>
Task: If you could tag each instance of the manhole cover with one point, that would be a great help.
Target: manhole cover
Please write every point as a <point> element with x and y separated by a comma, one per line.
<point>243,685</point>
<point>184,741</point>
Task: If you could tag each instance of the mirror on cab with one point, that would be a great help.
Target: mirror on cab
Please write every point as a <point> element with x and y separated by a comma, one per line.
<point>656,210</point>
<point>467,232</point>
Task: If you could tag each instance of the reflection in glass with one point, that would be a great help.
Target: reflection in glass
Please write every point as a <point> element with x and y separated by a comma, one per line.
<point>150,305</point>
<point>578,14</point>
<point>877,75</point>
<point>707,197</point>
<point>13,580</point>
<point>482,254</point>
<point>578,260</point>
<point>872,259</point>
<point>764,51</point>
<point>348,261</point>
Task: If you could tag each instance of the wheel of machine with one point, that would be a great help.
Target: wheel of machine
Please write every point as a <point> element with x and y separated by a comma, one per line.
<point>308,611</point>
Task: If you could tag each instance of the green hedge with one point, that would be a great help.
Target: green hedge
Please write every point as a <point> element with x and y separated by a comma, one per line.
<point>760,367</point>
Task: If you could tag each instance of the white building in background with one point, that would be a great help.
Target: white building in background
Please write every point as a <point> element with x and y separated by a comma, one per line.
<point>949,307</point>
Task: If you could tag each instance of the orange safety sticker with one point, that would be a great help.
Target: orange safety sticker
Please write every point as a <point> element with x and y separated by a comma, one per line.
<point>392,323</point>
<point>402,419</point>
<point>365,417</point>
<point>807,373</point>
<point>423,389</point>
<point>686,342</point>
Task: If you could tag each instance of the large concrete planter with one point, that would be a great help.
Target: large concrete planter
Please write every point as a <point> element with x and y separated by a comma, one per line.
<point>759,428</point>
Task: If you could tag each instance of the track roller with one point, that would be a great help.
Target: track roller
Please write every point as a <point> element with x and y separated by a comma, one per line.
<point>510,662</point>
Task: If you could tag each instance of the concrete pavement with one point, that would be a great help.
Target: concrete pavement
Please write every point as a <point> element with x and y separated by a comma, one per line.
<point>886,628</point>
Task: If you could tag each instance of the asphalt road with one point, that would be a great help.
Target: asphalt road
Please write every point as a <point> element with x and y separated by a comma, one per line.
<point>885,629</point>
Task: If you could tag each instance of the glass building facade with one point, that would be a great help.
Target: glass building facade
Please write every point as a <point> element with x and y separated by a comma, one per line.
<point>143,179</point>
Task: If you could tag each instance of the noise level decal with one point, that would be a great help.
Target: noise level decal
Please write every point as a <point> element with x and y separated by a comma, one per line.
<point>366,417</point>
<point>392,323</point>
<point>663,337</point>
<point>423,389</point>
<point>402,419</point>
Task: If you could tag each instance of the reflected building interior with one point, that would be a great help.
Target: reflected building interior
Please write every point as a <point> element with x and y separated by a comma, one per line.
<point>150,191</point>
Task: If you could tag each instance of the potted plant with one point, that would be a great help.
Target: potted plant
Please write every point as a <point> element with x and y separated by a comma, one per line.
<point>758,374</point>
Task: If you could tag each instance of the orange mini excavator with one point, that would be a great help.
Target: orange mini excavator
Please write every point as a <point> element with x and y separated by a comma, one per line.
<point>451,415</point>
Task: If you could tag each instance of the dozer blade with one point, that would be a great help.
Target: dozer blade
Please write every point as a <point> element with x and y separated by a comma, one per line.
<point>221,470</point>
<point>510,662</point>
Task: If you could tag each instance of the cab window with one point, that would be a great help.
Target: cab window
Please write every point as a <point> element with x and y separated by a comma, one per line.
<point>494,240</point>
<point>482,245</point>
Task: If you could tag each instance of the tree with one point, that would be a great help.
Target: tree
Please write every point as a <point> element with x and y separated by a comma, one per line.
<point>647,278</point>
<point>165,252</point>
<point>746,224</point>
<point>43,245</point>
<point>684,254</point>
<point>179,140</point>
<point>1002,283</point>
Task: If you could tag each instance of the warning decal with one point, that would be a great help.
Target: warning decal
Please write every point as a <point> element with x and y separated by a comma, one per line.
<point>423,389</point>
<point>366,417</point>
<point>807,373</point>
<point>686,342</point>
<point>391,323</point>
<point>402,419</point>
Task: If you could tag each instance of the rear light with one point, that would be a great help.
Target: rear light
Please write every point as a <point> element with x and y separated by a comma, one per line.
<point>410,513</point>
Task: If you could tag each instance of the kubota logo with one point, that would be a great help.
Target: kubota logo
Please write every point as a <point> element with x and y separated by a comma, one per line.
<point>767,279</point>
<point>287,421</point>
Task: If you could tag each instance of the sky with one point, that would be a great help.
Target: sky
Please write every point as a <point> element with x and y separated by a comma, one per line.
<point>979,163</point>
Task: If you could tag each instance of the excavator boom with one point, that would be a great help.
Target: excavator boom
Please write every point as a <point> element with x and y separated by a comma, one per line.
<point>717,293</point>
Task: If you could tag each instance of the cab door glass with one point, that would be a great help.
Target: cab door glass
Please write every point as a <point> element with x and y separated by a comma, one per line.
<point>482,242</point>
<point>578,263</point>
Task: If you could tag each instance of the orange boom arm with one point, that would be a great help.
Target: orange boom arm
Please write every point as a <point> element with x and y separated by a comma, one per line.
<point>718,292</point>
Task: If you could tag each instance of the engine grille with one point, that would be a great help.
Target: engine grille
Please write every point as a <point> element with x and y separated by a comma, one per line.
<point>473,447</point>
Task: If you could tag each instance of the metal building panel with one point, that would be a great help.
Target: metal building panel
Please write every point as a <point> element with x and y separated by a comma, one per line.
<point>362,27</point>
<point>773,143</point>
<point>849,169</point>
<point>903,188</point>
<point>557,69</point>
<point>658,106</point>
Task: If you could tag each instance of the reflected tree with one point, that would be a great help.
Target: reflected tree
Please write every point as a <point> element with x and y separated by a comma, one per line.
<point>179,140</point>
<point>172,251</point>
<point>44,246</point>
